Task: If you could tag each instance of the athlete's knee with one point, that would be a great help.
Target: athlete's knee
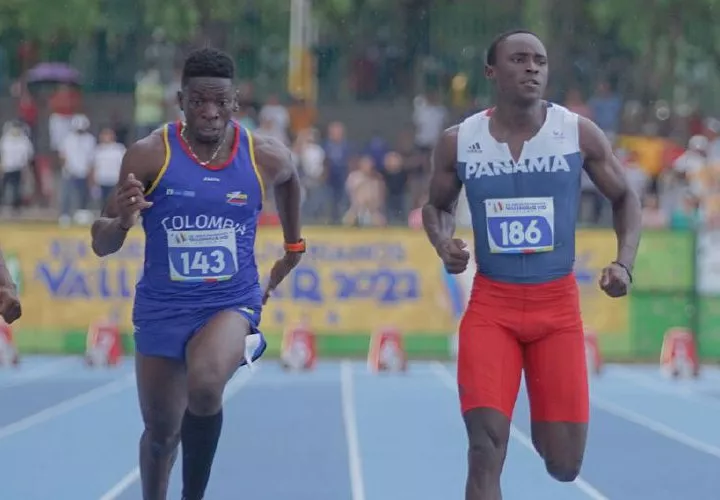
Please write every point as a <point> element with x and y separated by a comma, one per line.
<point>488,434</point>
<point>205,396</point>
<point>161,440</point>
<point>562,446</point>
<point>564,468</point>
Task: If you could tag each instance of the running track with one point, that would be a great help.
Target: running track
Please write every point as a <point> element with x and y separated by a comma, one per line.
<point>341,433</point>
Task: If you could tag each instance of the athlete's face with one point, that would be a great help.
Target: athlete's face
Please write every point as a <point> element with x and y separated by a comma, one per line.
<point>521,68</point>
<point>208,104</point>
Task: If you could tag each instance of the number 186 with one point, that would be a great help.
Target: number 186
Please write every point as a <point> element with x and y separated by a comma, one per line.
<point>515,233</point>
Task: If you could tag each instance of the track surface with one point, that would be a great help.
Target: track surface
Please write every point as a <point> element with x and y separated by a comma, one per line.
<point>341,433</point>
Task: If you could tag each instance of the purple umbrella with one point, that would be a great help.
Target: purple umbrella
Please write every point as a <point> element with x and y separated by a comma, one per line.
<point>53,73</point>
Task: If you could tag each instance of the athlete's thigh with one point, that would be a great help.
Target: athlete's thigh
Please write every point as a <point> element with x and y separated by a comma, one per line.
<point>556,378</point>
<point>162,389</point>
<point>489,363</point>
<point>217,349</point>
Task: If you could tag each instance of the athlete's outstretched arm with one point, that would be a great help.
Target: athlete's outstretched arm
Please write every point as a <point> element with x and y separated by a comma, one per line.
<point>140,165</point>
<point>438,214</point>
<point>278,170</point>
<point>608,175</point>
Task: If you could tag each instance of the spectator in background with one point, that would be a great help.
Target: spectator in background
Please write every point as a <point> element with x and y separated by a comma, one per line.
<point>310,157</point>
<point>276,117</point>
<point>173,112</point>
<point>303,115</point>
<point>396,188</point>
<point>637,177</point>
<point>76,155</point>
<point>120,127</point>
<point>605,107</point>
<point>367,195</point>
<point>337,163</point>
<point>415,220</point>
<point>149,103</point>
<point>160,54</point>
<point>16,153</point>
<point>413,167</point>
<point>64,104</point>
<point>574,102</point>
<point>268,128</point>
<point>712,131</point>
<point>106,162</point>
<point>429,117</point>
<point>247,112</point>
<point>653,217</point>
<point>710,201</point>
<point>27,109</point>
<point>687,214</point>
<point>692,166</point>
<point>378,148</point>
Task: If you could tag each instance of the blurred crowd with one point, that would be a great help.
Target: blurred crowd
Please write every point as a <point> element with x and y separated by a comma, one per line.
<point>378,182</point>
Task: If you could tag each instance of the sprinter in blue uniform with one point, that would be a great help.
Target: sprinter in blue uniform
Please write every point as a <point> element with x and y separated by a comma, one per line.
<point>520,163</point>
<point>199,186</point>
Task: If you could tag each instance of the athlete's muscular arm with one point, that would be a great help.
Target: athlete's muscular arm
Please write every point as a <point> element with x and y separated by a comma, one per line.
<point>140,166</point>
<point>608,175</point>
<point>278,170</point>
<point>438,214</point>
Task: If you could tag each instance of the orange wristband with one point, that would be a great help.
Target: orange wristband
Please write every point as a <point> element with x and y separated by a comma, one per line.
<point>298,247</point>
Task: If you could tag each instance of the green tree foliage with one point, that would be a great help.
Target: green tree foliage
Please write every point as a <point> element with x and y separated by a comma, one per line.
<point>657,41</point>
<point>44,20</point>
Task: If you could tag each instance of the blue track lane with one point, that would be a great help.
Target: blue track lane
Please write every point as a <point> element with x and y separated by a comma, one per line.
<point>67,431</point>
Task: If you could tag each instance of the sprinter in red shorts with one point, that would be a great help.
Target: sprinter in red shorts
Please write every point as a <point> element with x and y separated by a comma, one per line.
<point>521,163</point>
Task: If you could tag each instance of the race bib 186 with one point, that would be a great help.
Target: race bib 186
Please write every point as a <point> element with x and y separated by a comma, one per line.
<point>202,255</point>
<point>520,225</point>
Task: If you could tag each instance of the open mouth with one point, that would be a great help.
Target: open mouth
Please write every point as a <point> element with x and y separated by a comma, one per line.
<point>532,83</point>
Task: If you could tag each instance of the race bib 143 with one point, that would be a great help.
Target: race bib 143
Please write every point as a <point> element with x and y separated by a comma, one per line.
<point>202,255</point>
<point>520,225</point>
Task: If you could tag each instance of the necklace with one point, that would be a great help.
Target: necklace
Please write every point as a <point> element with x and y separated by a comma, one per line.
<point>195,157</point>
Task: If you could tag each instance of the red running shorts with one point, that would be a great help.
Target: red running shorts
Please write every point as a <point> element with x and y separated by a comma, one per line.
<point>508,327</point>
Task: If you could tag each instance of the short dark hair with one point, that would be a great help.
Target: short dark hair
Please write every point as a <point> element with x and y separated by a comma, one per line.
<point>491,56</point>
<point>208,62</point>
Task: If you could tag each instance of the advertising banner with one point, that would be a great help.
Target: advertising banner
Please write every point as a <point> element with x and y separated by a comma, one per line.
<point>351,281</point>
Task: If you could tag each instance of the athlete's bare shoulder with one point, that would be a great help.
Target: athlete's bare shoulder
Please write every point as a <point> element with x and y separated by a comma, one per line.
<point>273,158</point>
<point>594,144</point>
<point>445,153</point>
<point>145,158</point>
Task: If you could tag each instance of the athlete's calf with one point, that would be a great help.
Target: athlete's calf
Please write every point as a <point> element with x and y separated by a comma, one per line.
<point>488,433</point>
<point>161,390</point>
